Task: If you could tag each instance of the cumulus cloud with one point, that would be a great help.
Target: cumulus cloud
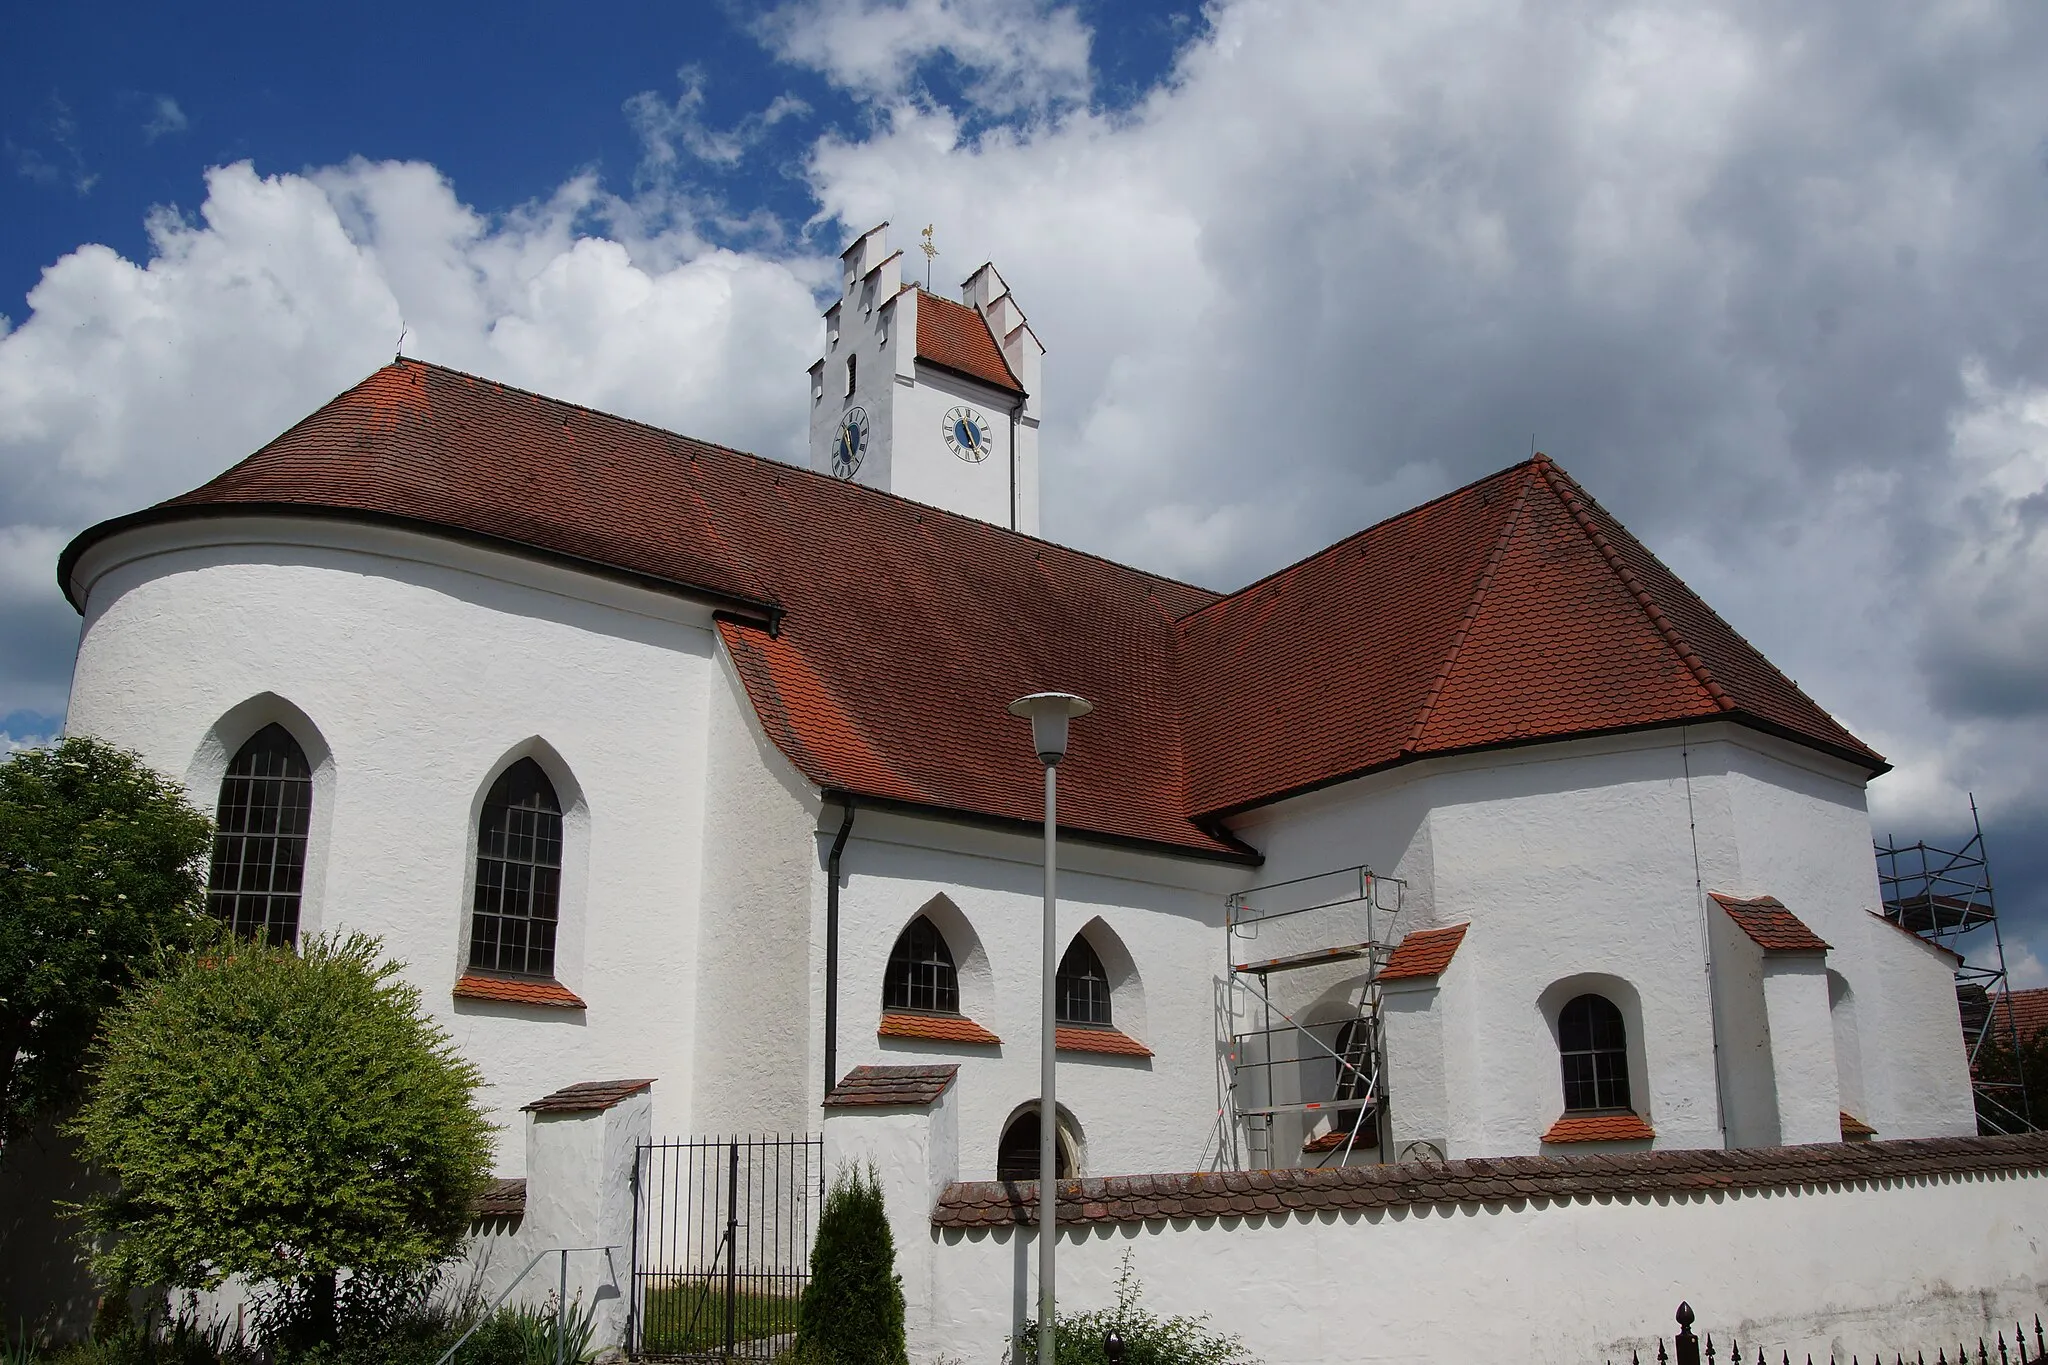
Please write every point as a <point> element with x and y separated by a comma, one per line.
<point>1768,280</point>
<point>1011,56</point>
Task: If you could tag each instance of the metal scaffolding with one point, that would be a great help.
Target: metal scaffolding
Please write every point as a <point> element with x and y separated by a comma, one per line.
<point>1945,896</point>
<point>1299,1018</point>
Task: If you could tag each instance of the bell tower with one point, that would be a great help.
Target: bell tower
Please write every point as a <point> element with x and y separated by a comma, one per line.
<point>925,397</point>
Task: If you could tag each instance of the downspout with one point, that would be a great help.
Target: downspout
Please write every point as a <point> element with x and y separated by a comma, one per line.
<point>1016,409</point>
<point>832,944</point>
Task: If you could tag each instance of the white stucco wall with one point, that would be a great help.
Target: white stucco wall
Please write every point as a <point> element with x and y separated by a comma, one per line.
<point>1133,1114</point>
<point>412,670</point>
<point>1821,1270</point>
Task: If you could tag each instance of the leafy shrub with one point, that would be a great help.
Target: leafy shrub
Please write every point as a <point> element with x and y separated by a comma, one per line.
<point>852,1311</point>
<point>1148,1338</point>
<point>293,1118</point>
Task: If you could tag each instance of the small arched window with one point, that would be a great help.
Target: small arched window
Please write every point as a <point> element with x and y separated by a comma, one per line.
<point>1592,1045</point>
<point>518,874</point>
<point>1017,1152</point>
<point>1081,987</point>
<point>259,841</point>
<point>920,975</point>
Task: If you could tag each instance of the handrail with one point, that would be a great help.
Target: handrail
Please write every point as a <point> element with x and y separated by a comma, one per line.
<point>561,1306</point>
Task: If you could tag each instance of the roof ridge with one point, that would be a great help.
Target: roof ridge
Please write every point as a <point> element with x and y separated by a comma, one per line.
<point>778,465</point>
<point>1464,627</point>
<point>1574,499</point>
<point>1351,539</point>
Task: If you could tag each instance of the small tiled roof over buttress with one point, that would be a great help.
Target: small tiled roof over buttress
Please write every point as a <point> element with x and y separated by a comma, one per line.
<point>1770,925</point>
<point>1423,953</point>
<point>880,640</point>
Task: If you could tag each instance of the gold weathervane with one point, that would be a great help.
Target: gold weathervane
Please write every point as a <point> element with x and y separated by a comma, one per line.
<point>929,252</point>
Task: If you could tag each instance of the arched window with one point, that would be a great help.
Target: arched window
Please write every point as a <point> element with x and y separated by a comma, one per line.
<point>1081,987</point>
<point>259,842</point>
<point>1017,1153</point>
<point>1355,1062</point>
<point>1592,1045</point>
<point>920,974</point>
<point>518,874</point>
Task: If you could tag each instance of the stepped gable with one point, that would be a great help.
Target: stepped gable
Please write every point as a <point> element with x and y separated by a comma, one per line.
<point>955,337</point>
<point>880,640</point>
<point>1512,610</point>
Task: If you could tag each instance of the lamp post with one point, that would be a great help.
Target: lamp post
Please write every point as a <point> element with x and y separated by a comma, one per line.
<point>1048,713</point>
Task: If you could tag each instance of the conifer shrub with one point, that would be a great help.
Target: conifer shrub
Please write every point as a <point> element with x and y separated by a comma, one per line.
<point>852,1312</point>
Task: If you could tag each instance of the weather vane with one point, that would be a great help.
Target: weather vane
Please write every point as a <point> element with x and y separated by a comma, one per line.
<point>929,252</point>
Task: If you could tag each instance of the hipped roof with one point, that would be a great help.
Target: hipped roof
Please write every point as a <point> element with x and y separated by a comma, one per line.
<point>879,640</point>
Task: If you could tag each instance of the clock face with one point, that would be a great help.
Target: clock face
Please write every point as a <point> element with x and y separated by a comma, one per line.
<point>967,434</point>
<point>850,443</point>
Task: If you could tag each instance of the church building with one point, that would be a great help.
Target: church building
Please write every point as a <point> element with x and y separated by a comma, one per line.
<point>1476,833</point>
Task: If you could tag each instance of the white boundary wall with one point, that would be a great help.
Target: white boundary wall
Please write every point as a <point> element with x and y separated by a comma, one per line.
<point>1842,1270</point>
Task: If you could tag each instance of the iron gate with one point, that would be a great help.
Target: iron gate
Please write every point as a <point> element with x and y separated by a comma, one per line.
<point>722,1244</point>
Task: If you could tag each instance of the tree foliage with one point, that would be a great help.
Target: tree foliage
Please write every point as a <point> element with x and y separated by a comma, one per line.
<point>101,870</point>
<point>852,1312</point>
<point>281,1116</point>
<point>1148,1338</point>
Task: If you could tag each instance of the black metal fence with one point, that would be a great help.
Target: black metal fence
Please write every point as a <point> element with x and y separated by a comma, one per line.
<point>1685,1349</point>
<point>722,1245</point>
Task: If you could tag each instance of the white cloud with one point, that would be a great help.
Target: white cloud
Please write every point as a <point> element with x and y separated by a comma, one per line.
<point>1013,55</point>
<point>1769,280</point>
<point>165,119</point>
<point>672,134</point>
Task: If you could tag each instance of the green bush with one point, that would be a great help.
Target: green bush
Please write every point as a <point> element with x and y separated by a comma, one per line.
<point>852,1311</point>
<point>101,869</point>
<point>1148,1338</point>
<point>293,1118</point>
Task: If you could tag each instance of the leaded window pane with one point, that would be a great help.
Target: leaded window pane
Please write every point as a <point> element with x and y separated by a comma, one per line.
<point>920,974</point>
<point>1081,987</point>
<point>518,875</point>
<point>259,842</point>
<point>1592,1044</point>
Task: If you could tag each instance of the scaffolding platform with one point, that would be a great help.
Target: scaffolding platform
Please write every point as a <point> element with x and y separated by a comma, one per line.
<point>1299,1018</point>
<point>1945,896</point>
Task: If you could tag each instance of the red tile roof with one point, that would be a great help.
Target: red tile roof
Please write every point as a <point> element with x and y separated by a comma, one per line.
<point>587,1097</point>
<point>502,1198</point>
<point>1424,952</point>
<point>2029,1011</point>
<point>1855,1129</point>
<point>1106,1040</point>
<point>916,1086</point>
<point>958,338</point>
<point>1598,1128</point>
<point>936,1028</point>
<point>552,994</point>
<point>1509,611</point>
<point>1770,925</point>
<point>1561,1177</point>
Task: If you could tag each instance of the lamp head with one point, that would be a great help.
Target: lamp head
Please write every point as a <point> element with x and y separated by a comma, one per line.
<point>1049,713</point>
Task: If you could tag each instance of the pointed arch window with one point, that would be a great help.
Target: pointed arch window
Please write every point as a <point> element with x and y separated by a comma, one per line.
<point>1017,1151</point>
<point>1081,987</point>
<point>259,841</point>
<point>921,975</point>
<point>518,875</point>
<point>1592,1045</point>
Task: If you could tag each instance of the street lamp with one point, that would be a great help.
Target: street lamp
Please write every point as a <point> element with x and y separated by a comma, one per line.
<point>1048,713</point>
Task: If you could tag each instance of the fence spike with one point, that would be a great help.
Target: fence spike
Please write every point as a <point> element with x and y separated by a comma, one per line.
<point>1662,1359</point>
<point>2003,1358</point>
<point>2040,1346</point>
<point>1940,1357</point>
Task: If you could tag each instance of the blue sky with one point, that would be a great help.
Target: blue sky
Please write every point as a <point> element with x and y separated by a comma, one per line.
<point>1772,281</point>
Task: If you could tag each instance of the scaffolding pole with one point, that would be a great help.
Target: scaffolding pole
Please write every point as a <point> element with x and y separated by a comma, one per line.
<point>1327,933</point>
<point>1946,897</point>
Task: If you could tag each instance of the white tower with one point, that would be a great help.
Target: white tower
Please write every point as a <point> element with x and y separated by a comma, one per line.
<point>925,397</point>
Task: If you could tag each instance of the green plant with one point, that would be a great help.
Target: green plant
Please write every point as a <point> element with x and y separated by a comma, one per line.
<point>1148,1338</point>
<point>285,1117</point>
<point>852,1311</point>
<point>101,869</point>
